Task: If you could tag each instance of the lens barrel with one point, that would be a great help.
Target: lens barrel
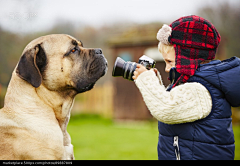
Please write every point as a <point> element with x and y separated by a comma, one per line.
<point>124,69</point>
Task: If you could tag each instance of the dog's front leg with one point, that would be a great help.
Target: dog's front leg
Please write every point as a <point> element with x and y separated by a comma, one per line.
<point>68,147</point>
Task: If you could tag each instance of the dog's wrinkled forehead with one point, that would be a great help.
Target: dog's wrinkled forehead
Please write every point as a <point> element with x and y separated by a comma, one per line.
<point>54,43</point>
<point>75,41</point>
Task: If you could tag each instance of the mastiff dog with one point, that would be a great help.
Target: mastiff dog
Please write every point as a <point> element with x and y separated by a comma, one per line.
<point>52,70</point>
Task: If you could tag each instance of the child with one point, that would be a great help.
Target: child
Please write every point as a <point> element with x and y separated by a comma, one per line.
<point>195,113</point>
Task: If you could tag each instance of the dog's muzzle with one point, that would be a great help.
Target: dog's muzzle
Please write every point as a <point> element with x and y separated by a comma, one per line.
<point>99,60</point>
<point>97,69</point>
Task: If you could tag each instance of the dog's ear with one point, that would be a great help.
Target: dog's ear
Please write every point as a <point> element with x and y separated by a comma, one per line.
<point>31,65</point>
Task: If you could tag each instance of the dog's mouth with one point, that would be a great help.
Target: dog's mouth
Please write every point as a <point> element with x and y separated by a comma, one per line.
<point>86,88</point>
<point>105,69</point>
<point>99,65</point>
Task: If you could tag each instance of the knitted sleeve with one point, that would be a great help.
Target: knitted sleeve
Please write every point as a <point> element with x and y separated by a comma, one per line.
<point>184,103</point>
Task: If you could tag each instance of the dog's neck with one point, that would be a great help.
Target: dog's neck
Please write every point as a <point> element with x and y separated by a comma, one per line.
<point>19,94</point>
<point>60,101</point>
<point>22,95</point>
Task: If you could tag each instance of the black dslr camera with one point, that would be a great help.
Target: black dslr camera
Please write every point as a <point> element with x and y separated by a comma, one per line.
<point>126,69</point>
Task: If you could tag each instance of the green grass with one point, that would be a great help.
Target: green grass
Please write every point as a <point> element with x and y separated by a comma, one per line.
<point>236,130</point>
<point>96,138</point>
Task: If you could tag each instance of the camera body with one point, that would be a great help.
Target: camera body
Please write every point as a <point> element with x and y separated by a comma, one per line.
<point>126,69</point>
<point>147,62</point>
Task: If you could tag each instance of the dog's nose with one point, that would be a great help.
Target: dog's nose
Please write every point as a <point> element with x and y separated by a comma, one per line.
<point>98,51</point>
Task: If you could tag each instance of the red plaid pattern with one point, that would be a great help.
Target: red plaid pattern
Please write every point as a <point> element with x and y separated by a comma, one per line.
<point>195,39</point>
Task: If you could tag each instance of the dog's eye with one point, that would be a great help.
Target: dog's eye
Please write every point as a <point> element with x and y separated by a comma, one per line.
<point>73,50</point>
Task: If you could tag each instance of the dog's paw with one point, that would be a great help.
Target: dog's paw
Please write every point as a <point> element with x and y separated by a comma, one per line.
<point>68,152</point>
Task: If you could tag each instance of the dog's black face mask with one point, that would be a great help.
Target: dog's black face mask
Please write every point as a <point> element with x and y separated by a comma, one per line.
<point>92,69</point>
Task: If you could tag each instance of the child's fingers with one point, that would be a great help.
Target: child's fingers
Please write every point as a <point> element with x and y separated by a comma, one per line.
<point>139,66</point>
<point>139,69</point>
<point>135,75</point>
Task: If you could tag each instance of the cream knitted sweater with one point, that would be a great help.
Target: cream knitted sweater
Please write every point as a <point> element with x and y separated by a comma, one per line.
<point>184,103</point>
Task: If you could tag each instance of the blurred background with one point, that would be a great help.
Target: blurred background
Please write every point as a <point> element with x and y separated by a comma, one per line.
<point>111,121</point>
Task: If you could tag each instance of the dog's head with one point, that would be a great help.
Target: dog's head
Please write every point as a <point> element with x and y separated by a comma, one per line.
<point>60,62</point>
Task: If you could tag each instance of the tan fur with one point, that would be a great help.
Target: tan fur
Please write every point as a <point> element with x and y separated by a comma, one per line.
<point>33,121</point>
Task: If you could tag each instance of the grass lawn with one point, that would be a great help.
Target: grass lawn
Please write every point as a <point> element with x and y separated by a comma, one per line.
<point>95,138</point>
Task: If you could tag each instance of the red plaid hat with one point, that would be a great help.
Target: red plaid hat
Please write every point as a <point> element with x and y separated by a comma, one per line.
<point>195,39</point>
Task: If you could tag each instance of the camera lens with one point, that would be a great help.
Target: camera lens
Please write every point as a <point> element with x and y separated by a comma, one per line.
<point>124,69</point>
<point>129,68</point>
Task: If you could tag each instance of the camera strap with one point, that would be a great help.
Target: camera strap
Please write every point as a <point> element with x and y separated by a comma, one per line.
<point>173,77</point>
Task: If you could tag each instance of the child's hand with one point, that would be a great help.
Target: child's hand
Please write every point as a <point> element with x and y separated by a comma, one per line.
<point>138,71</point>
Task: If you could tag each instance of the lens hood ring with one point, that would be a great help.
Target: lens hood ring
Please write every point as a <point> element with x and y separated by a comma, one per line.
<point>131,71</point>
<point>126,68</point>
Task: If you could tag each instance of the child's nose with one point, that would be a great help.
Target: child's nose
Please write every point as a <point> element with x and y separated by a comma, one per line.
<point>167,68</point>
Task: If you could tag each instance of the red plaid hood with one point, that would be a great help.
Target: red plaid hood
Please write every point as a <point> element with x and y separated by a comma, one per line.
<point>195,39</point>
